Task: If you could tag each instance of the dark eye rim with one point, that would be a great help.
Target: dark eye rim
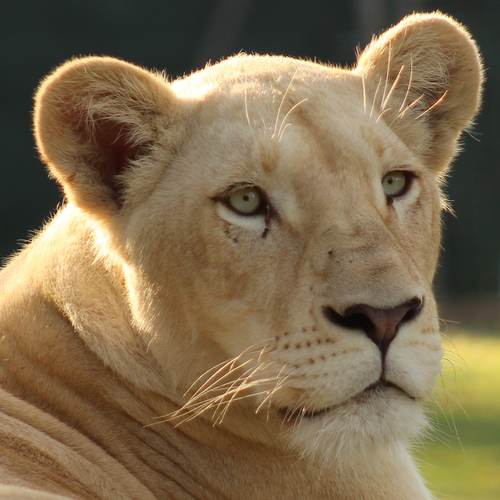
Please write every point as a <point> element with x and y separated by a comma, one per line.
<point>264,207</point>
<point>409,179</point>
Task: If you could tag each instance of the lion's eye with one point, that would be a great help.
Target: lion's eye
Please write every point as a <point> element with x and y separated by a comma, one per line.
<point>246,201</point>
<point>396,183</point>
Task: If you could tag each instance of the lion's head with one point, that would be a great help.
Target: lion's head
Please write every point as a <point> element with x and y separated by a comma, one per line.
<point>277,226</point>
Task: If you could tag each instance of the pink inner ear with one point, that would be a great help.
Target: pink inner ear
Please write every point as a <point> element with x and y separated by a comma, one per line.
<point>113,153</point>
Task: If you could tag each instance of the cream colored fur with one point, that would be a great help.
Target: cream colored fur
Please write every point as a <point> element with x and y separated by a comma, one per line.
<point>113,318</point>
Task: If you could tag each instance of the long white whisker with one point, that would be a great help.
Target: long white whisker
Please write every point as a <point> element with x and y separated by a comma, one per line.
<point>437,103</point>
<point>363,83</point>
<point>216,368</point>
<point>408,86</point>
<point>387,74</point>
<point>228,403</point>
<point>270,394</point>
<point>279,382</point>
<point>290,111</point>
<point>239,382</point>
<point>411,105</point>
<point>281,103</point>
<point>375,95</point>
<point>201,406</point>
<point>216,387</point>
<point>206,385</point>
<point>246,105</point>
<point>223,365</point>
<point>382,114</point>
<point>227,389</point>
<point>393,86</point>
<point>284,130</point>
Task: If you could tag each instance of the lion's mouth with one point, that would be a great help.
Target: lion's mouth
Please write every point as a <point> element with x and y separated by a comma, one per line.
<point>291,415</point>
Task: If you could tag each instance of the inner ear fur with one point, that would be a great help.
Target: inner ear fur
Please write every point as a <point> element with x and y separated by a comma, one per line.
<point>424,77</point>
<point>95,117</point>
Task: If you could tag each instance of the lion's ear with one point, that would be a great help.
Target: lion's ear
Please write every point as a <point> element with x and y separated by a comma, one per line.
<point>429,76</point>
<point>96,120</point>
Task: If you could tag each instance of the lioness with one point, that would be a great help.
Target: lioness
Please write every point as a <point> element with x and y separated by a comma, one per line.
<point>235,301</point>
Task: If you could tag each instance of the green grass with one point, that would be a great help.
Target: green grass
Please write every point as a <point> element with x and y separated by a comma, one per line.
<point>461,458</point>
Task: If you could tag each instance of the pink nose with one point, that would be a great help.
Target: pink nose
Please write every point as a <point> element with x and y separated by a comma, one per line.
<point>380,325</point>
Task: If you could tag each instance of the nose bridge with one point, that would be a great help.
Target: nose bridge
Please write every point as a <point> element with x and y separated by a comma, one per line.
<point>360,241</point>
<point>361,263</point>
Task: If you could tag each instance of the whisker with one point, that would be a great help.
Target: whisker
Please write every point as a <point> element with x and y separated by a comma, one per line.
<point>469,133</point>
<point>279,382</point>
<point>217,401</point>
<point>246,105</point>
<point>408,86</point>
<point>382,114</point>
<point>375,95</point>
<point>242,385</point>
<point>290,111</point>
<point>218,380</point>
<point>363,83</point>
<point>393,86</point>
<point>281,103</point>
<point>411,105</point>
<point>283,132</point>
<point>234,391</point>
<point>216,367</point>
<point>189,418</point>
<point>223,365</point>
<point>216,387</point>
<point>453,426</point>
<point>387,74</point>
<point>202,406</point>
<point>264,124</point>
<point>437,103</point>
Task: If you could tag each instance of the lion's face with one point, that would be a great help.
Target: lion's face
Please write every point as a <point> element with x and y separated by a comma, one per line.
<point>288,222</point>
<point>321,235</point>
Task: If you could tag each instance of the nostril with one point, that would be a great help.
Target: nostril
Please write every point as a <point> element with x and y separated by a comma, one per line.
<point>379,324</point>
<point>414,306</point>
<point>355,321</point>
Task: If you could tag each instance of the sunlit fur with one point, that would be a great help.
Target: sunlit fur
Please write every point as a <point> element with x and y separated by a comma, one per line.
<point>148,322</point>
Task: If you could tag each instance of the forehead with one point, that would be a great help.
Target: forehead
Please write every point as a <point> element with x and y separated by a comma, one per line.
<point>276,110</point>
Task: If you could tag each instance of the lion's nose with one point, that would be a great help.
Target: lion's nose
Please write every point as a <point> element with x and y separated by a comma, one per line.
<point>380,325</point>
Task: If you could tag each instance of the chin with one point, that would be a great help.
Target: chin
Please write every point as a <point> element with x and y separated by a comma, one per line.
<point>351,432</point>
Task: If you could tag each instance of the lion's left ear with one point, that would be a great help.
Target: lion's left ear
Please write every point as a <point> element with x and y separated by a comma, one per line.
<point>428,73</point>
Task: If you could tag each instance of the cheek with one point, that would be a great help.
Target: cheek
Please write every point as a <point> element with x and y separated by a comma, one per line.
<point>431,243</point>
<point>421,231</point>
<point>235,260</point>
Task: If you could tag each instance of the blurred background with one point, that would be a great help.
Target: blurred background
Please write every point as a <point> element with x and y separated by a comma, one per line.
<point>461,457</point>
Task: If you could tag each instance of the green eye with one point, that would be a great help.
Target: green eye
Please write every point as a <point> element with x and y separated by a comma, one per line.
<point>396,183</point>
<point>246,201</point>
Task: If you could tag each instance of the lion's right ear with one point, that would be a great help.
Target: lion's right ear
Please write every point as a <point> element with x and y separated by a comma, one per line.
<point>97,119</point>
<point>424,78</point>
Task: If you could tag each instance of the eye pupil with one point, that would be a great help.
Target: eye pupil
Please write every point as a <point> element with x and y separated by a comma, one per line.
<point>247,200</point>
<point>397,183</point>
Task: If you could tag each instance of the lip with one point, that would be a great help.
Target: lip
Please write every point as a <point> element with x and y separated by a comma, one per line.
<point>372,388</point>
